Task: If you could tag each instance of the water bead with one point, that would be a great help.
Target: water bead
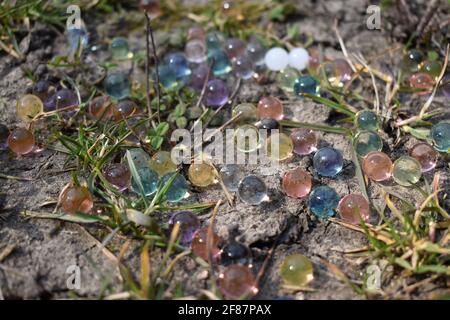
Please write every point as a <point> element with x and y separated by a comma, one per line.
<point>124,109</point>
<point>218,60</point>
<point>42,89</point>
<point>152,7</point>
<point>236,282</point>
<point>354,207</point>
<point>283,143</point>
<point>189,225</point>
<point>217,93</point>
<point>168,77</point>
<point>21,141</point>
<point>201,174</point>
<point>28,107</point>
<point>306,84</point>
<point>304,140</point>
<point>314,59</point>
<point>276,59</point>
<point>296,270</point>
<point>77,38</point>
<point>247,138</point>
<point>162,163</point>
<point>366,120</point>
<point>234,47</point>
<point>197,33</point>
<point>406,171</point>
<point>214,40</point>
<point>101,107</point>
<point>328,162</point>
<point>199,245</point>
<point>198,77</point>
<point>433,68</point>
<point>149,181</point>
<point>140,157</point>
<point>367,141</point>
<point>117,85</point>
<point>268,124</point>
<point>247,111</point>
<point>338,72</point>
<point>120,49</point>
<point>4,134</point>
<point>425,154</point>
<point>297,183</point>
<point>179,188</point>
<point>177,61</point>
<point>286,79</point>
<point>195,51</point>
<point>422,81</point>
<point>62,99</point>
<point>243,67</point>
<point>252,190</point>
<point>231,176</point>
<point>256,51</point>
<point>236,252</point>
<point>75,199</point>
<point>270,107</point>
<point>299,58</point>
<point>440,135</point>
<point>412,60</point>
<point>118,175</point>
<point>323,201</point>
<point>377,166</point>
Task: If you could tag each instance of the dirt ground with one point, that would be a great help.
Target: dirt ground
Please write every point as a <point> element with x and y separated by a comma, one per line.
<point>42,250</point>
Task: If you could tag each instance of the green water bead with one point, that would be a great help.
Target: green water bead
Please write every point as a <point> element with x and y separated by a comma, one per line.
<point>406,171</point>
<point>179,188</point>
<point>412,60</point>
<point>280,146</point>
<point>367,141</point>
<point>433,68</point>
<point>296,270</point>
<point>286,79</point>
<point>248,113</point>
<point>120,49</point>
<point>247,138</point>
<point>366,120</point>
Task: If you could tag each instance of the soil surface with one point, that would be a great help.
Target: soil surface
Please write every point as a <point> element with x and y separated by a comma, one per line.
<point>42,250</point>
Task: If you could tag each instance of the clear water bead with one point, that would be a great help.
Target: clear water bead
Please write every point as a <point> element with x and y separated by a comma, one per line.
<point>252,190</point>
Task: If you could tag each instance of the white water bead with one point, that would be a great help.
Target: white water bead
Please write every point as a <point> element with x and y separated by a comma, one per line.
<point>298,58</point>
<point>276,59</point>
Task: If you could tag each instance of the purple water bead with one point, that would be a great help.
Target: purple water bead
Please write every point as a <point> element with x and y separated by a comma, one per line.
<point>62,99</point>
<point>243,67</point>
<point>198,77</point>
<point>234,47</point>
<point>189,225</point>
<point>217,93</point>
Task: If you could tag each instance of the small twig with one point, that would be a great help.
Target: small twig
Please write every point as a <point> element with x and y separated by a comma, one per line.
<point>426,18</point>
<point>361,59</point>
<point>342,44</point>
<point>149,33</point>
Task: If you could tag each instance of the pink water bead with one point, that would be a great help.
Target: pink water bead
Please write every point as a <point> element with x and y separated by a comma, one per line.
<point>305,141</point>
<point>270,107</point>
<point>422,81</point>
<point>425,154</point>
<point>297,183</point>
<point>234,47</point>
<point>236,281</point>
<point>354,207</point>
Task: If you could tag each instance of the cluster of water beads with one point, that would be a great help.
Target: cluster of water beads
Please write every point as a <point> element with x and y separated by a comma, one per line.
<point>75,199</point>
<point>296,270</point>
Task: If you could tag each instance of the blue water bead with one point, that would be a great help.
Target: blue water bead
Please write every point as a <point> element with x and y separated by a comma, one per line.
<point>328,162</point>
<point>179,188</point>
<point>440,134</point>
<point>306,84</point>
<point>168,77</point>
<point>120,49</point>
<point>323,202</point>
<point>178,62</point>
<point>77,38</point>
<point>117,85</point>
<point>149,181</point>
<point>219,62</point>
<point>214,40</point>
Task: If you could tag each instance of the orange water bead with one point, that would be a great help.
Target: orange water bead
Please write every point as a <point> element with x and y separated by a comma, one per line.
<point>199,244</point>
<point>352,207</point>
<point>101,107</point>
<point>124,109</point>
<point>297,183</point>
<point>76,199</point>
<point>270,107</point>
<point>21,141</point>
<point>237,281</point>
<point>422,81</point>
<point>377,166</point>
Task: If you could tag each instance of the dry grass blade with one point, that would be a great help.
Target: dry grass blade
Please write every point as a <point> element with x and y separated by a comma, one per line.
<point>145,270</point>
